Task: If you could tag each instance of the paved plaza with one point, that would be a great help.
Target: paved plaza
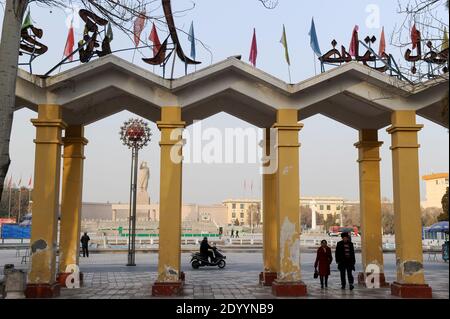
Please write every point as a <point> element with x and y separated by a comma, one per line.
<point>107,277</point>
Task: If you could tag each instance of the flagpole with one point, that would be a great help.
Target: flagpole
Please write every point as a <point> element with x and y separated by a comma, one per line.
<point>9,205</point>
<point>134,54</point>
<point>18,214</point>
<point>289,70</point>
<point>314,60</point>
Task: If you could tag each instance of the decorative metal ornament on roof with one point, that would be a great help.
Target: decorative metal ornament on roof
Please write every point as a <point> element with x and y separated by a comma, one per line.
<point>135,133</point>
<point>162,57</point>
<point>29,45</point>
<point>89,42</point>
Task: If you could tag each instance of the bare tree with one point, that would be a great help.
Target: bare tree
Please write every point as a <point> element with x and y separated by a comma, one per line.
<point>254,215</point>
<point>427,16</point>
<point>430,216</point>
<point>306,216</point>
<point>118,13</point>
<point>269,4</point>
<point>387,217</point>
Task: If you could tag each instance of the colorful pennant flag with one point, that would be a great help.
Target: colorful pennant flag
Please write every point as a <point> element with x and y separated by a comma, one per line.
<point>285,45</point>
<point>68,50</point>
<point>254,50</point>
<point>314,41</point>
<point>155,40</point>
<point>28,21</point>
<point>192,40</point>
<point>109,32</point>
<point>354,43</point>
<point>382,49</point>
<point>139,25</point>
<point>30,181</point>
<point>445,41</point>
<point>415,36</point>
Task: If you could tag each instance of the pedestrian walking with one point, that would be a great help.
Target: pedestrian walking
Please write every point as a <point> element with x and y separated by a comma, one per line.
<point>85,244</point>
<point>232,233</point>
<point>345,258</point>
<point>237,233</point>
<point>323,262</point>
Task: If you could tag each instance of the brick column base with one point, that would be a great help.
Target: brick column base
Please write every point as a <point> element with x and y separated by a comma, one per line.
<point>167,289</point>
<point>289,289</point>
<point>411,291</point>
<point>267,278</point>
<point>42,290</point>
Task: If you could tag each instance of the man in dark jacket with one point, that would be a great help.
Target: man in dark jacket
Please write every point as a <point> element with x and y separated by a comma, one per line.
<point>85,244</point>
<point>206,249</point>
<point>345,258</point>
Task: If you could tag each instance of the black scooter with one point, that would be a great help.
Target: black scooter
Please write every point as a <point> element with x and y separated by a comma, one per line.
<point>198,260</point>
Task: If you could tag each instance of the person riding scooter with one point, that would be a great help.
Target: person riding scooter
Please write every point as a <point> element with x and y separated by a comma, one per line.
<point>206,250</point>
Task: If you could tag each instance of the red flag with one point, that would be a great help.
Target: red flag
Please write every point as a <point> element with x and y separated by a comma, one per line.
<point>155,39</point>
<point>139,24</point>
<point>415,36</point>
<point>354,43</point>
<point>382,49</point>
<point>29,182</point>
<point>254,50</point>
<point>68,50</point>
<point>10,182</point>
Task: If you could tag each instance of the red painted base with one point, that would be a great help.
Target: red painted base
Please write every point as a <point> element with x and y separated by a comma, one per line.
<point>362,280</point>
<point>167,289</point>
<point>289,289</point>
<point>42,290</point>
<point>411,291</point>
<point>62,276</point>
<point>267,278</point>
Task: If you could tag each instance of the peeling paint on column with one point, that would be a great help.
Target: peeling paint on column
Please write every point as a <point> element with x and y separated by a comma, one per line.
<point>38,245</point>
<point>286,170</point>
<point>411,267</point>
<point>170,274</point>
<point>289,252</point>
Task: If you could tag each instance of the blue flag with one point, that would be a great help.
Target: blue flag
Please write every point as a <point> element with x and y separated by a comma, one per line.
<point>314,42</point>
<point>192,40</point>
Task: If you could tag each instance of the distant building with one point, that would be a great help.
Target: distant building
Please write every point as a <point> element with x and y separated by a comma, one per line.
<point>189,213</point>
<point>238,209</point>
<point>435,187</point>
<point>327,205</point>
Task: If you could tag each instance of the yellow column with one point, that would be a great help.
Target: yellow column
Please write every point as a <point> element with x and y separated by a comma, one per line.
<point>41,278</point>
<point>288,281</point>
<point>370,203</point>
<point>72,187</point>
<point>408,227</point>
<point>270,234</point>
<point>168,282</point>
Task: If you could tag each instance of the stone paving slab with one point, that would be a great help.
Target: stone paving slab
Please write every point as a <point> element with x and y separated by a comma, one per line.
<point>229,285</point>
<point>106,276</point>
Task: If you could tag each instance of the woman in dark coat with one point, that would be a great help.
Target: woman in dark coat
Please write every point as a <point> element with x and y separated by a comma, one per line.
<point>323,260</point>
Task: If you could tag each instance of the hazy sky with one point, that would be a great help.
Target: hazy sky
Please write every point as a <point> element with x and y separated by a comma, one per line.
<point>327,159</point>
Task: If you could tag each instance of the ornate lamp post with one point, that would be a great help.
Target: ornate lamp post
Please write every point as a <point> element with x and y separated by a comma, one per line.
<point>135,134</point>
